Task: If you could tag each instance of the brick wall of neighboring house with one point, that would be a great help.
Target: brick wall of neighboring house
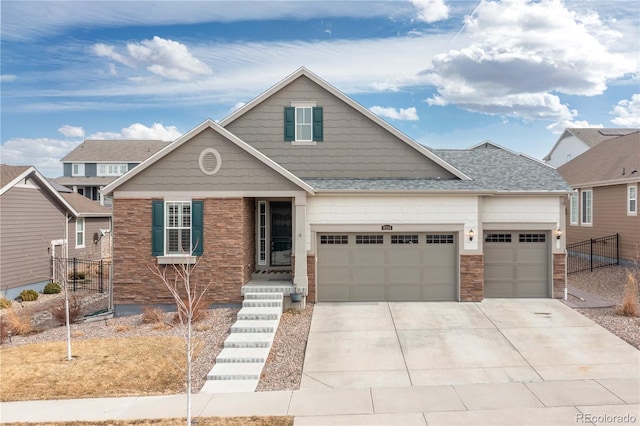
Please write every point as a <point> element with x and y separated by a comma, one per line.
<point>471,278</point>
<point>559,274</point>
<point>226,263</point>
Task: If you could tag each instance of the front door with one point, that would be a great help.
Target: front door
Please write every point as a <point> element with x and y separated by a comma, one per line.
<point>281,223</point>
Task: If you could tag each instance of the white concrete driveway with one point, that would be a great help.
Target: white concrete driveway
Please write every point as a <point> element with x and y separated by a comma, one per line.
<point>386,345</point>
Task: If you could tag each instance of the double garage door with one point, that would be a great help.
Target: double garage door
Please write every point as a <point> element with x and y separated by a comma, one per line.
<point>394,267</point>
<point>516,264</point>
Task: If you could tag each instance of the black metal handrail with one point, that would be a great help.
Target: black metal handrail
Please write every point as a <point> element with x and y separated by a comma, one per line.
<point>593,253</point>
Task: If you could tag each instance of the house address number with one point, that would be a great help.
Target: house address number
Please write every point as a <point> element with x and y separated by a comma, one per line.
<point>387,228</point>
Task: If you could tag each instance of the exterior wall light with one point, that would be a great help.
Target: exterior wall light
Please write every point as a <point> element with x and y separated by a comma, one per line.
<point>471,234</point>
<point>558,233</point>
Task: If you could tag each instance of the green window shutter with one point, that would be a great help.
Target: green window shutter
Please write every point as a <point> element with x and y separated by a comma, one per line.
<point>289,123</point>
<point>197,234</point>
<point>157,228</point>
<point>317,124</point>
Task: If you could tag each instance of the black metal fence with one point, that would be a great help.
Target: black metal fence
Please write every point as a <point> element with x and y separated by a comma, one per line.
<point>593,253</point>
<point>82,274</point>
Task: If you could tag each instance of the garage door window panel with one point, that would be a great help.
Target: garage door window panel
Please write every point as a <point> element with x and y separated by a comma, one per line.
<point>532,238</point>
<point>440,239</point>
<point>334,239</point>
<point>369,239</point>
<point>497,238</point>
<point>404,239</point>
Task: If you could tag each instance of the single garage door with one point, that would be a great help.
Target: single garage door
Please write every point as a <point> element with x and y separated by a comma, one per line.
<point>516,264</point>
<point>386,267</point>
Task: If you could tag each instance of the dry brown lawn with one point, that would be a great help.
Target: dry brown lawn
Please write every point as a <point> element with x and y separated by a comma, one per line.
<point>104,368</point>
<point>100,368</point>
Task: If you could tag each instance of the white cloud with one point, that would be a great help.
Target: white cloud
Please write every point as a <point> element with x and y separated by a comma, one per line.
<point>166,58</point>
<point>23,21</point>
<point>408,114</point>
<point>431,10</point>
<point>140,131</point>
<point>5,78</point>
<point>71,131</point>
<point>627,112</point>
<point>559,126</point>
<point>516,63</point>
<point>44,153</point>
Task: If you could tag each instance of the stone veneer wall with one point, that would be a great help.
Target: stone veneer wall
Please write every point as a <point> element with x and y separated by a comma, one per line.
<point>311,276</point>
<point>559,274</point>
<point>227,262</point>
<point>471,278</point>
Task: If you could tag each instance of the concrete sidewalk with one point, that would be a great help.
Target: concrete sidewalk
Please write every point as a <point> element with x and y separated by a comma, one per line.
<point>567,402</point>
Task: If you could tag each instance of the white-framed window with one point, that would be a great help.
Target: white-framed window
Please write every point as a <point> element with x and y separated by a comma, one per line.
<point>79,232</point>
<point>632,200</point>
<point>178,227</point>
<point>574,209</point>
<point>77,169</point>
<point>109,169</point>
<point>587,207</point>
<point>304,124</point>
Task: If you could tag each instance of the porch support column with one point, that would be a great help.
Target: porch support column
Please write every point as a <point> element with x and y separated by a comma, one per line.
<point>300,279</point>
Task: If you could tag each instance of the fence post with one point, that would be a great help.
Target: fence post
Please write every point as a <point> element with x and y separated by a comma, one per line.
<point>591,255</point>
<point>75,274</point>
<point>100,289</point>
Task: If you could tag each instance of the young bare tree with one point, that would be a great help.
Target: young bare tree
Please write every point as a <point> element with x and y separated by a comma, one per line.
<point>189,296</point>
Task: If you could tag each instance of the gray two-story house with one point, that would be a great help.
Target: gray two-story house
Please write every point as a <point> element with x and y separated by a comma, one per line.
<point>94,164</point>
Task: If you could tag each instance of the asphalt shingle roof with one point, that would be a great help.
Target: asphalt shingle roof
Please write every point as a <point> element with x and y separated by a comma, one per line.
<point>490,170</point>
<point>114,150</point>
<point>9,173</point>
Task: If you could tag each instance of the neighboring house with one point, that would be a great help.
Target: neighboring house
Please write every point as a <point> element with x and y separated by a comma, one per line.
<point>605,197</point>
<point>94,164</point>
<point>36,221</point>
<point>575,141</point>
<point>304,179</point>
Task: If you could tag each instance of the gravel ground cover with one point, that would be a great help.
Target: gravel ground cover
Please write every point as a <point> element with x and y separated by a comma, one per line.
<point>609,282</point>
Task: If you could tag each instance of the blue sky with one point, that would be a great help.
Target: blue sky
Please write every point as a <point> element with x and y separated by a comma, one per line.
<point>449,74</point>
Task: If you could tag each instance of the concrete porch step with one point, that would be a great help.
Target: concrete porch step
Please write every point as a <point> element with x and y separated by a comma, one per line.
<point>259,313</point>
<point>236,371</point>
<point>249,340</point>
<point>262,303</point>
<point>254,326</point>
<point>263,296</point>
<point>243,355</point>
<point>229,386</point>
<point>284,288</point>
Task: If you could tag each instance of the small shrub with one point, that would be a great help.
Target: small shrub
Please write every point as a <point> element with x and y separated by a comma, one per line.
<point>630,306</point>
<point>152,315</point>
<point>52,288</point>
<point>28,295</point>
<point>4,331</point>
<point>17,324</point>
<point>200,312</point>
<point>75,311</point>
<point>5,303</point>
<point>77,276</point>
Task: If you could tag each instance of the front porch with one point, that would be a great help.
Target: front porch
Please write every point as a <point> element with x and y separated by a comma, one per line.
<point>279,281</point>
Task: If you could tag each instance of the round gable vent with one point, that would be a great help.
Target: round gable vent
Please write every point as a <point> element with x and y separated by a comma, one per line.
<point>210,161</point>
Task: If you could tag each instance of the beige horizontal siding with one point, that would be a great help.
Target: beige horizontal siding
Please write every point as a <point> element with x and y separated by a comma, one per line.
<point>353,145</point>
<point>29,220</point>
<point>610,217</point>
<point>180,170</point>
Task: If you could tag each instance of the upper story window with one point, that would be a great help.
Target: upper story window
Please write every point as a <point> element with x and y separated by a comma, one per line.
<point>632,200</point>
<point>574,211</point>
<point>587,207</point>
<point>77,169</point>
<point>303,122</point>
<point>111,169</point>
